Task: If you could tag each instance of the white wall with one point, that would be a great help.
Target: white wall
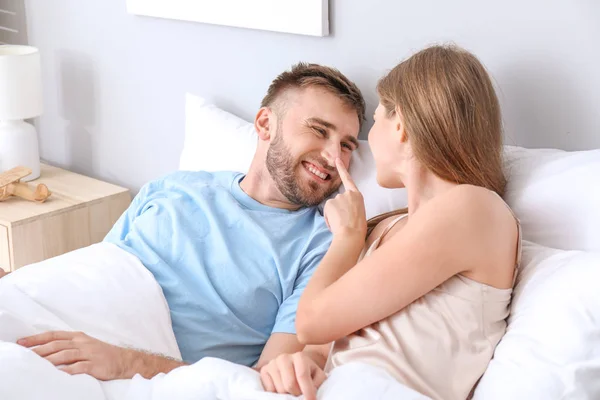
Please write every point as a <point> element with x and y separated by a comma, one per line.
<point>115,83</point>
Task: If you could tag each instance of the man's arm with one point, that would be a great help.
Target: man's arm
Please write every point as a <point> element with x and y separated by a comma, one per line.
<point>78,353</point>
<point>278,343</point>
<point>148,365</point>
<point>283,338</point>
<point>286,343</point>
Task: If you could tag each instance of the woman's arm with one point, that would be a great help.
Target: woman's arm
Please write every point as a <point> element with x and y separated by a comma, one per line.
<point>456,232</point>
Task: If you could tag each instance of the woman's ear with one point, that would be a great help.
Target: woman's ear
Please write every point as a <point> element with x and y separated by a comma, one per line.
<point>262,123</point>
<point>400,126</point>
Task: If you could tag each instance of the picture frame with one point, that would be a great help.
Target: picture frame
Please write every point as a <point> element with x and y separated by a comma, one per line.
<point>303,17</point>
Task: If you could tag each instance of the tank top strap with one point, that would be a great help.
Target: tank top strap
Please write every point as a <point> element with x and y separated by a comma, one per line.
<point>392,224</point>
<point>366,251</point>
<point>519,233</point>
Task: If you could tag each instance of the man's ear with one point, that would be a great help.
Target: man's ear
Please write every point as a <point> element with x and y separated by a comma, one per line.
<point>262,123</point>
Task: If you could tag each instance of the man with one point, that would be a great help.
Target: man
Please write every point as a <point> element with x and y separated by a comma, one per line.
<point>233,253</point>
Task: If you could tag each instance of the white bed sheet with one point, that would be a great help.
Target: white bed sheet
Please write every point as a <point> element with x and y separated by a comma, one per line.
<point>107,293</point>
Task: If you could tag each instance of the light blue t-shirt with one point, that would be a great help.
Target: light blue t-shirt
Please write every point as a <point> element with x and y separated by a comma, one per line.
<point>232,269</point>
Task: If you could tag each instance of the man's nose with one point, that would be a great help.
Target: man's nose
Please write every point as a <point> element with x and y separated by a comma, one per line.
<point>331,152</point>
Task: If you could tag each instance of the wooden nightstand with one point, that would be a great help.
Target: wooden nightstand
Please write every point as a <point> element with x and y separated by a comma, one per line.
<point>79,213</point>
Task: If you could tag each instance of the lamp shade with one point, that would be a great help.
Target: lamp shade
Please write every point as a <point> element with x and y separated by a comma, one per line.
<point>20,82</point>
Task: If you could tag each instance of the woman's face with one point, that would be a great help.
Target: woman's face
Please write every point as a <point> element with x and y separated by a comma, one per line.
<point>385,141</point>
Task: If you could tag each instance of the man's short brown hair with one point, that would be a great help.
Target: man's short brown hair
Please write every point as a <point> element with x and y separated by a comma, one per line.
<point>303,75</point>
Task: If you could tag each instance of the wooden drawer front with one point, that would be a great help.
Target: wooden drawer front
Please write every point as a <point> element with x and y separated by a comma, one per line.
<point>43,238</point>
<point>4,249</point>
<point>51,236</point>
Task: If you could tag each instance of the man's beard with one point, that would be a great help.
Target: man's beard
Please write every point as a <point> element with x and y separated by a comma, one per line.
<point>282,169</point>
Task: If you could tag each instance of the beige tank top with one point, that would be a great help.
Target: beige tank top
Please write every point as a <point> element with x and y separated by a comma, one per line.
<point>439,345</point>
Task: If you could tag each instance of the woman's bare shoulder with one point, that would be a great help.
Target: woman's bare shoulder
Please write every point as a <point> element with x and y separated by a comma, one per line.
<point>486,213</point>
<point>470,226</point>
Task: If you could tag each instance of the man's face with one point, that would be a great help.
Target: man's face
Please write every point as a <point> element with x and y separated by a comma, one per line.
<point>315,129</point>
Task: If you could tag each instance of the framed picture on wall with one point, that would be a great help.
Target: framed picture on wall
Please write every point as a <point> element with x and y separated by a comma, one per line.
<point>304,17</point>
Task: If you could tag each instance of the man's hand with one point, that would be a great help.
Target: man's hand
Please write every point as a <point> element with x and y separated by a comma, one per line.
<point>295,374</point>
<point>3,273</point>
<point>78,353</point>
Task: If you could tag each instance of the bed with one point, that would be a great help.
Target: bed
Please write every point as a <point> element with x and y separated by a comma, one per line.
<point>551,349</point>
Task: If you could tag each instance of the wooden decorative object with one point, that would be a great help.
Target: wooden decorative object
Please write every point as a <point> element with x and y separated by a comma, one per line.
<point>10,185</point>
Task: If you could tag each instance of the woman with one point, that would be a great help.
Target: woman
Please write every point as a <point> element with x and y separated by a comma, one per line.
<point>427,297</point>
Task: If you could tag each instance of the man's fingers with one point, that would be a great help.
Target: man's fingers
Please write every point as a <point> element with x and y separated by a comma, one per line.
<point>307,386</point>
<point>65,357</point>
<point>267,381</point>
<point>276,377</point>
<point>53,347</point>
<point>345,176</point>
<point>288,376</point>
<point>318,377</point>
<point>81,367</point>
<point>45,337</point>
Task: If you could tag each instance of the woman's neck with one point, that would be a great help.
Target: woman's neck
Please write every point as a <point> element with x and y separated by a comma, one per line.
<point>423,185</point>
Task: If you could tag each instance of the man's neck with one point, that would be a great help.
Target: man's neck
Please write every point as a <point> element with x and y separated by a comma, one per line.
<point>259,185</point>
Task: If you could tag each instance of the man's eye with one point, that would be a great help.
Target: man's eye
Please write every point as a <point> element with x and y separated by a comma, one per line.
<point>347,146</point>
<point>320,131</point>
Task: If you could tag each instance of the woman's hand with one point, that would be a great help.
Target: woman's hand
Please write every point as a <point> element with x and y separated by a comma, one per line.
<point>296,374</point>
<point>345,214</point>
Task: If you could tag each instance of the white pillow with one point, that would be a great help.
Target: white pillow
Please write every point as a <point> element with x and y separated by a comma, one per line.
<point>556,195</point>
<point>551,349</point>
<point>216,140</point>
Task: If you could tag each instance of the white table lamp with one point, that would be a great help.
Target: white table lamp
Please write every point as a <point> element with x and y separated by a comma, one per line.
<point>20,99</point>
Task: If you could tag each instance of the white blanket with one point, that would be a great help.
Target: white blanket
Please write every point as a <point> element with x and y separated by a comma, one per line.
<point>108,294</point>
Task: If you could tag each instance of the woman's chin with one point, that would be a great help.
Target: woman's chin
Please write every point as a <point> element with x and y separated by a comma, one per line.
<point>389,182</point>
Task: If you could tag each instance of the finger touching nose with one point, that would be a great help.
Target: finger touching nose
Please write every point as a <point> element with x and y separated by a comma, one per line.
<point>331,153</point>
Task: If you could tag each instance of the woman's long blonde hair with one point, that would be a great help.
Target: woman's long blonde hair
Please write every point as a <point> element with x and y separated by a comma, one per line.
<point>451,116</point>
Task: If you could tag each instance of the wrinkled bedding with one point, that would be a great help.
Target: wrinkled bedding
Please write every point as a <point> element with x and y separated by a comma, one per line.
<point>108,294</point>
